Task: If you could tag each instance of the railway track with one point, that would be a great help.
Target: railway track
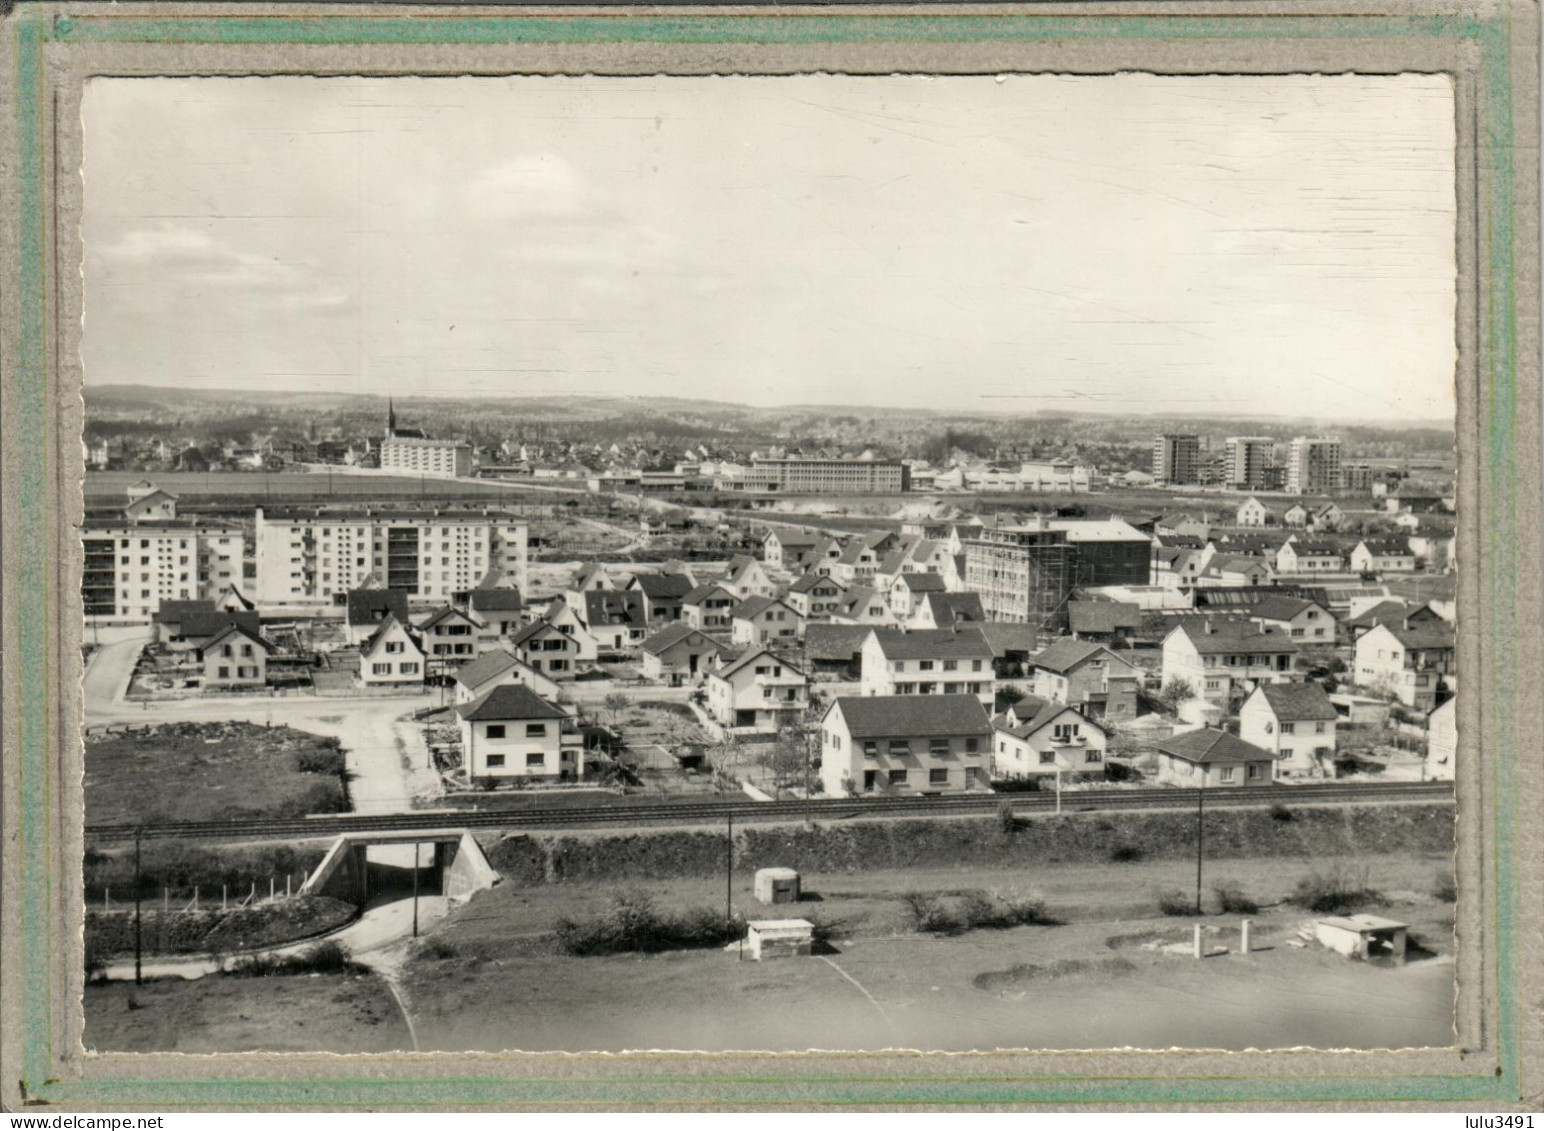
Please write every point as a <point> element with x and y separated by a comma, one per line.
<point>826,809</point>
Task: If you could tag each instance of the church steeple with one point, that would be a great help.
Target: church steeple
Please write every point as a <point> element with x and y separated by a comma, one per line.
<point>391,418</point>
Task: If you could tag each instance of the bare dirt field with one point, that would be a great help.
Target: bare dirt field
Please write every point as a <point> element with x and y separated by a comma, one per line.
<point>494,979</point>
<point>342,1013</point>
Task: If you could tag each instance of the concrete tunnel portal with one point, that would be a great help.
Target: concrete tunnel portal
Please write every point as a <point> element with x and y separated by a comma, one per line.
<point>449,863</point>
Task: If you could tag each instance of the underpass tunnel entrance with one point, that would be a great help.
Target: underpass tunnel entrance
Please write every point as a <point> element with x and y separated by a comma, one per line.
<point>363,868</point>
<point>389,870</point>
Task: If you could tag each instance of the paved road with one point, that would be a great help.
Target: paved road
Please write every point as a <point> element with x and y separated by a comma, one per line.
<point>112,665</point>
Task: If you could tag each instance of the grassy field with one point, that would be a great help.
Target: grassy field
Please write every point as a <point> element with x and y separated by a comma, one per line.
<point>341,1013</point>
<point>493,978</point>
<point>211,771</point>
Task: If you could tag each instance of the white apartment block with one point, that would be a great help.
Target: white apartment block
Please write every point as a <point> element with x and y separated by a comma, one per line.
<point>130,568</point>
<point>1249,461</point>
<point>413,456</point>
<point>312,555</point>
<point>1313,466</point>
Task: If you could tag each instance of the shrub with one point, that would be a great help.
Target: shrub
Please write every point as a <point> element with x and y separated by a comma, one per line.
<point>1177,903</point>
<point>1118,771</point>
<point>630,923</point>
<point>1007,822</point>
<point>1280,812</point>
<point>438,948</point>
<point>1126,854</point>
<point>930,914</point>
<point>1445,888</point>
<point>1335,889</point>
<point>1231,900</point>
<point>330,957</point>
<point>941,914</point>
<point>327,760</point>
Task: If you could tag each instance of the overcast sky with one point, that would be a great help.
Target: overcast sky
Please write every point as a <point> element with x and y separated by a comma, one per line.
<point>1279,246</point>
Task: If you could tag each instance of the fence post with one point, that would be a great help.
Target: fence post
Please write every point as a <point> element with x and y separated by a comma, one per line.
<point>107,898</point>
<point>286,885</point>
<point>195,897</point>
<point>1243,940</point>
<point>270,889</point>
<point>166,900</point>
<point>224,897</point>
<point>1197,943</point>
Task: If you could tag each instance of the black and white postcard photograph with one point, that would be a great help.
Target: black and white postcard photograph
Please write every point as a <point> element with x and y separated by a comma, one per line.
<point>769,563</point>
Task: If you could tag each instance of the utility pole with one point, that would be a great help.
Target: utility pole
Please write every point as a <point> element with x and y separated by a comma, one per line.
<point>139,978</point>
<point>729,874</point>
<point>415,889</point>
<point>1200,834</point>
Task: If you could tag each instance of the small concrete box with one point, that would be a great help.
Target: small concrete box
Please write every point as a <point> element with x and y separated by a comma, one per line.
<point>1364,936</point>
<point>777,885</point>
<point>779,938</point>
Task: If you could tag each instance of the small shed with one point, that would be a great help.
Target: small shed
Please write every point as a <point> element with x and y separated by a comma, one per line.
<point>777,885</point>
<point>1364,936</point>
<point>779,938</point>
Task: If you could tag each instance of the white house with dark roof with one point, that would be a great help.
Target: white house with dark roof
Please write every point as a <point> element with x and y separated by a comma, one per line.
<point>663,594</point>
<point>1295,722</point>
<point>1210,759</point>
<point>512,733</point>
<point>1087,675</point>
<point>907,590</point>
<point>748,578</point>
<point>234,657</point>
<point>765,620</point>
<point>946,610</point>
<point>1177,568</point>
<point>790,550</point>
<point>1408,663</point>
<point>449,637</point>
<point>928,662</point>
<point>151,506</point>
<point>499,668</point>
<point>1302,619</point>
<point>862,605</point>
<point>679,653</point>
<point>548,649</point>
<point>1040,737</point>
<point>1253,513</point>
<point>392,657</point>
<point>905,745</point>
<point>367,608</point>
<point>1299,557</point>
<point>616,619</point>
<point>1222,656</point>
<point>756,693</point>
<point>1232,571</point>
<point>1104,622</point>
<point>814,597</point>
<point>1383,555</point>
<point>708,607</point>
<point>500,611</point>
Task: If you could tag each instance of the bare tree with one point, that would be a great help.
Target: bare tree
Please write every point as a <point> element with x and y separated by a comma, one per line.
<point>614,704</point>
